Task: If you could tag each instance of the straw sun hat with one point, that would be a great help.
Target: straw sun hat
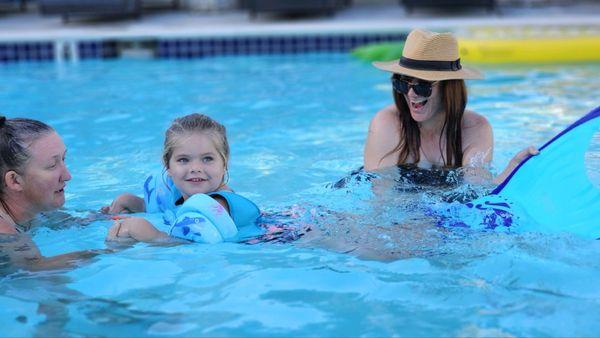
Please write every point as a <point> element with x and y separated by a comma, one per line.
<point>430,56</point>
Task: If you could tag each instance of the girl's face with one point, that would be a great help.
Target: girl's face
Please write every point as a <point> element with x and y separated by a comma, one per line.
<point>45,175</point>
<point>195,165</point>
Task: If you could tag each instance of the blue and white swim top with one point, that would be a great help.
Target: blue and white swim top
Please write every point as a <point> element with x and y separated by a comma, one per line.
<point>161,195</point>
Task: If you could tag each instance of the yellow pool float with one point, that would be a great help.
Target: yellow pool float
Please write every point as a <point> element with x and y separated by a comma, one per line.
<point>539,50</point>
<point>503,45</point>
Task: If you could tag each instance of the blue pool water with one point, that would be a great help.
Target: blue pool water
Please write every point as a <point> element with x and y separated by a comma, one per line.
<point>373,266</point>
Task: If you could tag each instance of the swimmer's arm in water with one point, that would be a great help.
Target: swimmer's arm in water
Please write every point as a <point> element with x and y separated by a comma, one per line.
<point>514,162</point>
<point>135,228</point>
<point>20,251</point>
<point>125,203</point>
<point>478,148</point>
<point>139,229</point>
<point>58,219</point>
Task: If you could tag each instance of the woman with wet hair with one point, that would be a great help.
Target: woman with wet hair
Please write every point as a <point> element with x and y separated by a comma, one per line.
<point>33,176</point>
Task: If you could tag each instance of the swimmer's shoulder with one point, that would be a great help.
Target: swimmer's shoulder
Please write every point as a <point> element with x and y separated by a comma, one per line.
<point>385,127</point>
<point>383,137</point>
<point>386,118</point>
<point>6,228</point>
<point>475,121</point>
<point>477,138</point>
<point>476,129</point>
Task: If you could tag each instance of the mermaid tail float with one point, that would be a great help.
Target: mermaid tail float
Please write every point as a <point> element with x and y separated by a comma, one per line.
<point>551,190</point>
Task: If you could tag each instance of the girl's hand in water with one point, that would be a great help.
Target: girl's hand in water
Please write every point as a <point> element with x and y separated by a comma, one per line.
<point>134,229</point>
<point>515,161</point>
<point>125,203</point>
<point>119,231</point>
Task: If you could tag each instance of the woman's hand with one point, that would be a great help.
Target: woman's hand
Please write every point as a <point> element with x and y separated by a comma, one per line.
<point>125,203</point>
<point>515,161</point>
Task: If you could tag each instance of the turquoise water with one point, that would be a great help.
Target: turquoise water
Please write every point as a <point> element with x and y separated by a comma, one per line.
<point>373,266</point>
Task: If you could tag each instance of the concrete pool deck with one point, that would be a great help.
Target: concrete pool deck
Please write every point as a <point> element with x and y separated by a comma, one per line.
<point>31,26</point>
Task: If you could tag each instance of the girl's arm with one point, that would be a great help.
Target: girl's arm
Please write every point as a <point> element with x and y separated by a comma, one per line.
<point>135,228</point>
<point>125,203</point>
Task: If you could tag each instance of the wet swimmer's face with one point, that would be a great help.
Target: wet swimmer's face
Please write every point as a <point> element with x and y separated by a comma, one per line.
<point>45,176</point>
<point>423,97</point>
<point>196,166</point>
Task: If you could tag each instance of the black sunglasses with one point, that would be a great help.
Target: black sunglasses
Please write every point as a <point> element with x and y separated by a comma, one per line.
<point>403,84</point>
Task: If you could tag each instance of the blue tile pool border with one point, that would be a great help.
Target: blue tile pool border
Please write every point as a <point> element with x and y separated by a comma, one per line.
<point>28,51</point>
<point>200,47</point>
<point>97,49</point>
<point>295,44</point>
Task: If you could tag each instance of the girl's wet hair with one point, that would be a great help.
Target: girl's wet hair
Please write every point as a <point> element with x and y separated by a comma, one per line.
<point>16,136</point>
<point>196,123</point>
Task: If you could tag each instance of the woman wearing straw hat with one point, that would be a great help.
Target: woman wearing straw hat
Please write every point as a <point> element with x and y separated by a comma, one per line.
<point>428,124</point>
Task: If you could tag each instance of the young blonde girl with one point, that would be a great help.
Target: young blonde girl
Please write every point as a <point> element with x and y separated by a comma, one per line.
<point>192,194</point>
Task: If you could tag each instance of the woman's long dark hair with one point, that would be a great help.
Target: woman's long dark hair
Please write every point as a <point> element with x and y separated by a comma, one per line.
<point>454,100</point>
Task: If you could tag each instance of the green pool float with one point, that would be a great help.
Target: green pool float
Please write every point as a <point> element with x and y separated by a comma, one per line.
<point>385,51</point>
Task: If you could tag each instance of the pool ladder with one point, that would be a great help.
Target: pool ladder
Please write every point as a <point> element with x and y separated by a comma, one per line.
<point>66,50</point>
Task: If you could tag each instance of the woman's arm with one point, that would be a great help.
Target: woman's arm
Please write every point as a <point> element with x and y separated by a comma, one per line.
<point>514,162</point>
<point>478,141</point>
<point>20,251</point>
<point>478,148</point>
<point>125,203</point>
<point>479,151</point>
<point>383,137</point>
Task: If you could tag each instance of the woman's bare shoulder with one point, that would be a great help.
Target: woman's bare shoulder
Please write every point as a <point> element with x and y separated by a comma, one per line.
<point>473,120</point>
<point>383,137</point>
<point>6,228</point>
<point>386,118</point>
<point>478,139</point>
<point>475,127</point>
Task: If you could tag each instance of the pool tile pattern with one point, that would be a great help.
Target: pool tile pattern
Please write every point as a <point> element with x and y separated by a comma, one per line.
<point>97,49</point>
<point>199,47</point>
<point>206,47</point>
<point>26,51</point>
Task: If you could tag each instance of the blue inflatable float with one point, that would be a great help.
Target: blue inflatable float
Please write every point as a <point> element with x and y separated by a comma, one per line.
<point>552,190</point>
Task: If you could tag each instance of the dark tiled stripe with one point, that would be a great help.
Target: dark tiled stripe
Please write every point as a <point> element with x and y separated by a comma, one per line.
<point>97,49</point>
<point>26,51</point>
<point>204,47</point>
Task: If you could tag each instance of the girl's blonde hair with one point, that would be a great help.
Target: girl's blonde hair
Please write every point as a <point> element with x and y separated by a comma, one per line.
<point>196,123</point>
